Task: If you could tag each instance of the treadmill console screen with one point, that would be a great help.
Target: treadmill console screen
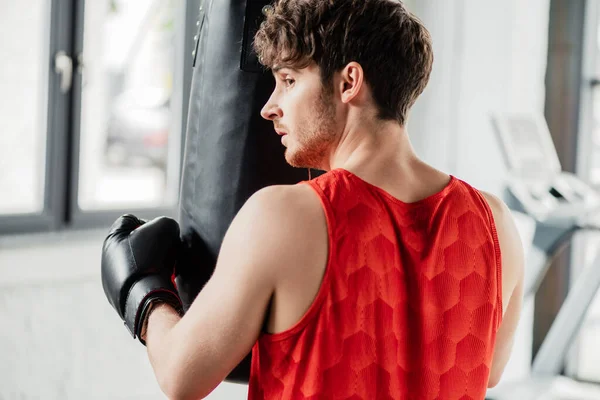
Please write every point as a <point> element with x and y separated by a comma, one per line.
<point>527,144</point>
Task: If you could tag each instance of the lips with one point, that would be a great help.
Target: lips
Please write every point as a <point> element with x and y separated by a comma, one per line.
<point>280,132</point>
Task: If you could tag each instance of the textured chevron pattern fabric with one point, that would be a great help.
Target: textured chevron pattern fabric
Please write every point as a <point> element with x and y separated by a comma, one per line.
<point>409,305</point>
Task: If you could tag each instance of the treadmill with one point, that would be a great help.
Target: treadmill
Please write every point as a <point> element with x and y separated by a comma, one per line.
<point>561,205</point>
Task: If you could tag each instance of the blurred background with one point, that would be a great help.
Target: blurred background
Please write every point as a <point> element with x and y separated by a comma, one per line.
<point>92,120</point>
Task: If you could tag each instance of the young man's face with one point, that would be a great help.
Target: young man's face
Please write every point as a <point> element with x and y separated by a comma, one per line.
<point>304,114</point>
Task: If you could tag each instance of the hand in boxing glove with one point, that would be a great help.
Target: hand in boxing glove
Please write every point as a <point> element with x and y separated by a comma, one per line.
<point>138,260</point>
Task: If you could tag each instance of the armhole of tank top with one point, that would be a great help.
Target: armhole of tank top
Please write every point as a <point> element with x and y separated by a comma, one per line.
<point>314,308</point>
<point>498,253</point>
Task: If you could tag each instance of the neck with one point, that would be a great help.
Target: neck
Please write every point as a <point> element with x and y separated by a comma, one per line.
<point>384,157</point>
<point>372,147</point>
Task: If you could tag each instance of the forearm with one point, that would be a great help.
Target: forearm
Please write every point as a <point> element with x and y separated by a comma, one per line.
<point>158,333</point>
<point>182,360</point>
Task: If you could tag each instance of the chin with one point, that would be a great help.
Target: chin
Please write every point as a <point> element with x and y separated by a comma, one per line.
<point>292,160</point>
<point>299,160</point>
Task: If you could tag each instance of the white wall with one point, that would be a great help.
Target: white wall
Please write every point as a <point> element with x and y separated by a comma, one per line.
<point>490,56</point>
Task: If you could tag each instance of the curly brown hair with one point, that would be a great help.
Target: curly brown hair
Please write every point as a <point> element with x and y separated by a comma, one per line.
<point>391,44</point>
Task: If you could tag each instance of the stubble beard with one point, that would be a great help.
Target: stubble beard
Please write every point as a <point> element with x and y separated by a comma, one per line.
<point>314,141</point>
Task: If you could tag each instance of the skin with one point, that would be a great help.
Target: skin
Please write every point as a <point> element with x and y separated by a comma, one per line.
<point>267,274</point>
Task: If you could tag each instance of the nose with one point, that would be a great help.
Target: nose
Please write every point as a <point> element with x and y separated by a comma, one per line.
<point>271,111</point>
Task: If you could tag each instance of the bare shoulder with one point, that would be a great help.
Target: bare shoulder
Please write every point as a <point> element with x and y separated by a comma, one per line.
<point>511,247</point>
<point>503,219</point>
<point>276,206</point>
<point>288,230</point>
<point>279,225</point>
<point>508,234</point>
<point>294,196</point>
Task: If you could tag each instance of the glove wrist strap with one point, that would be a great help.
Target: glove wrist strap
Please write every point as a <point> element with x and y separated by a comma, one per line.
<point>142,294</point>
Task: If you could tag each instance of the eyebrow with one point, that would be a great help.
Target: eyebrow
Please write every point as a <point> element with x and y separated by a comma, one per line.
<point>278,68</point>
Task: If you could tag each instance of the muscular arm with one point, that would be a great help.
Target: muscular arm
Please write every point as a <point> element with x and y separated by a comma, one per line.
<point>512,284</point>
<point>193,354</point>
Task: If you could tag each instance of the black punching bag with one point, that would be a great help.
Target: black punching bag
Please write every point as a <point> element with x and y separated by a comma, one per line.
<point>230,150</point>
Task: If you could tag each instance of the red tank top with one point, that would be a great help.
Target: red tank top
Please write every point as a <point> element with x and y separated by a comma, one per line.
<point>409,305</point>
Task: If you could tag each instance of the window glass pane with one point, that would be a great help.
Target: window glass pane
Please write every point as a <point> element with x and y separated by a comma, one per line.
<point>131,116</point>
<point>23,82</point>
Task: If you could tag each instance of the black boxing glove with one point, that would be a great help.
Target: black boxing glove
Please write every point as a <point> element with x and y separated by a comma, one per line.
<point>138,260</point>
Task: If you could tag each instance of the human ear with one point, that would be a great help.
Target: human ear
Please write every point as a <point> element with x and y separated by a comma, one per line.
<point>351,82</point>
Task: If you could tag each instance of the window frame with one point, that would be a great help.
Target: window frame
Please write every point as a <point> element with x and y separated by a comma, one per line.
<point>61,211</point>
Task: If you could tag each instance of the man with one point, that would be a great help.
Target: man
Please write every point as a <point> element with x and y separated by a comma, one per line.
<point>384,278</point>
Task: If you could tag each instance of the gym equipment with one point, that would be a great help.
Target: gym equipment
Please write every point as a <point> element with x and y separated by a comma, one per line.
<point>230,150</point>
<point>562,205</point>
<point>137,264</point>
